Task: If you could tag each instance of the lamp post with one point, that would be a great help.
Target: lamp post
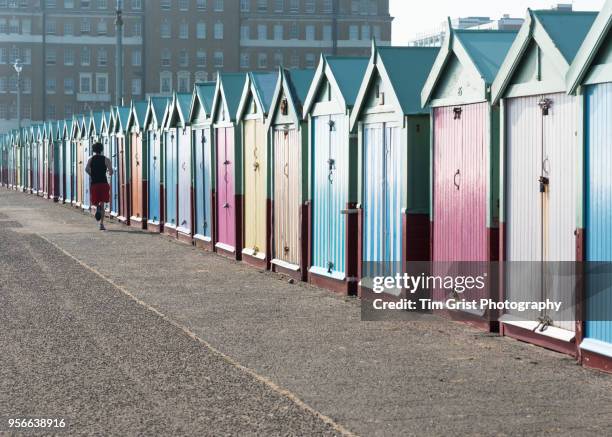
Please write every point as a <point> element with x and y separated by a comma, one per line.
<point>18,66</point>
<point>119,54</point>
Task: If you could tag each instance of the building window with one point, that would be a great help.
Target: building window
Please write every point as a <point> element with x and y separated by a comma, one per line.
<point>50,111</point>
<point>183,30</point>
<point>165,82</point>
<point>293,31</point>
<point>355,6</point>
<point>218,5</point>
<point>102,57</point>
<point>365,32</point>
<point>137,5</point>
<point>68,4</point>
<point>184,58</point>
<point>245,60</point>
<point>68,111</point>
<point>201,58</point>
<point>85,25</point>
<point>51,85</point>
<point>327,6</point>
<point>201,30</point>
<point>373,7</point>
<point>245,5</point>
<point>85,56</point>
<point>102,4</point>
<point>68,56</point>
<point>295,60</point>
<point>310,6</point>
<point>278,59</point>
<point>218,59</point>
<point>245,32</point>
<point>353,32</point>
<point>68,85</point>
<point>201,4</point>
<point>183,79</point>
<point>262,32</point>
<point>85,83</point>
<point>183,5</point>
<point>377,33</point>
<point>3,85</point>
<point>278,32</point>
<point>102,27</point>
<point>136,86</point>
<point>310,32</point>
<point>136,58</point>
<point>218,30</point>
<point>165,4</point>
<point>137,29</point>
<point>85,4</point>
<point>165,29</point>
<point>102,83</point>
<point>49,3</point>
<point>3,55</point>
<point>262,5</point>
<point>327,32</point>
<point>310,60</point>
<point>26,26</point>
<point>26,85</point>
<point>262,60</point>
<point>279,5</point>
<point>68,29</point>
<point>201,76</point>
<point>166,58</point>
<point>51,56</point>
<point>26,56</point>
<point>294,5</point>
<point>50,27</point>
<point>3,111</point>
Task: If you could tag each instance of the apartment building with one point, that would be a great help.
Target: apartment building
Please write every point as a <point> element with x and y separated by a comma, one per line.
<point>67,47</point>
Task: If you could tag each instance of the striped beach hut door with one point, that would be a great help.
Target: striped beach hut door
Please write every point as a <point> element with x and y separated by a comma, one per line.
<point>170,177</point>
<point>330,194</point>
<point>382,239</point>
<point>86,181</point>
<point>598,217</point>
<point>226,209</point>
<point>202,182</point>
<point>154,177</point>
<point>184,179</point>
<point>115,178</point>
<point>541,147</point>
<point>287,185</point>
<point>255,164</point>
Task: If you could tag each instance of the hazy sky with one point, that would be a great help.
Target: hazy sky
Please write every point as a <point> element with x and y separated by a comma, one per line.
<point>415,16</point>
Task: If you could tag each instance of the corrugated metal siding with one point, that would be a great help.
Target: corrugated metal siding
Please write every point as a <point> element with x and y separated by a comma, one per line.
<point>171,174</point>
<point>68,171</point>
<point>184,179</point>
<point>226,209</point>
<point>460,175</point>
<point>154,176</point>
<point>598,216</point>
<point>136,174</point>
<point>541,226</point>
<point>124,201</point>
<point>203,181</point>
<point>255,185</point>
<point>382,239</point>
<point>287,195</point>
<point>86,180</point>
<point>115,179</point>
<point>330,192</point>
<point>79,171</point>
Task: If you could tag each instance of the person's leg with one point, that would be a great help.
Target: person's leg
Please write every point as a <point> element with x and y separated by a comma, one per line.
<point>101,209</point>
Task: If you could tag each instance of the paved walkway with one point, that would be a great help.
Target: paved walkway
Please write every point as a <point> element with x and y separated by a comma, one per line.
<point>273,346</point>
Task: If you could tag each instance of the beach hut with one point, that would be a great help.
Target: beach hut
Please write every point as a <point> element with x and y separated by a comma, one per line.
<point>333,169</point>
<point>114,157</point>
<point>465,159</point>
<point>288,156</point>
<point>138,164</point>
<point>201,128</point>
<point>44,162</point>
<point>228,162</point>
<point>53,147</point>
<point>541,149</point>
<point>253,109</point>
<point>153,128</point>
<point>104,136</point>
<point>77,150</point>
<point>86,142</point>
<point>590,79</point>
<point>122,114</point>
<point>392,170</point>
<point>178,123</point>
<point>170,175</point>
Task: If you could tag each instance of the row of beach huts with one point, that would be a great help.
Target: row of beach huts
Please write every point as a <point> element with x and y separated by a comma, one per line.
<point>495,147</point>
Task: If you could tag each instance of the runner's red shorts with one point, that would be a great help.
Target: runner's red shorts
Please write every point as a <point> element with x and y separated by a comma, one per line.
<point>99,193</point>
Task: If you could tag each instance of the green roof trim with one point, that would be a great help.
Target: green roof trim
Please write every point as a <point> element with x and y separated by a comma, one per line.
<point>487,49</point>
<point>265,83</point>
<point>348,72</point>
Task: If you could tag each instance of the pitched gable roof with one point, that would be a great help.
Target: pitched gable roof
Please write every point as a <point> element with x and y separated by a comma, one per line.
<point>261,86</point>
<point>228,91</point>
<point>586,55</point>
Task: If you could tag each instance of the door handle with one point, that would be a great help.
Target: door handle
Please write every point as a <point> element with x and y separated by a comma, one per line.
<point>286,169</point>
<point>458,173</point>
<point>226,205</point>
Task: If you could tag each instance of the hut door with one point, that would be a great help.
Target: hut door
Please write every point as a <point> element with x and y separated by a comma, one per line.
<point>382,200</point>
<point>255,186</point>
<point>86,181</point>
<point>154,177</point>
<point>287,195</point>
<point>598,217</point>
<point>184,179</point>
<point>170,179</point>
<point>541,198</point>
<point>225,183</point>
<point>202,181</point>
<point>136,170</point>
<point>115,177</point>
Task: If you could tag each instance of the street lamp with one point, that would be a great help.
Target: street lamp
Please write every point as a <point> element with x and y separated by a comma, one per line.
<point>18,66</point>
<point>119,54</point>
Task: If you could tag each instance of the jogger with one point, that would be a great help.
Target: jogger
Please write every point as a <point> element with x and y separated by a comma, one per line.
<point>97,168</point>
